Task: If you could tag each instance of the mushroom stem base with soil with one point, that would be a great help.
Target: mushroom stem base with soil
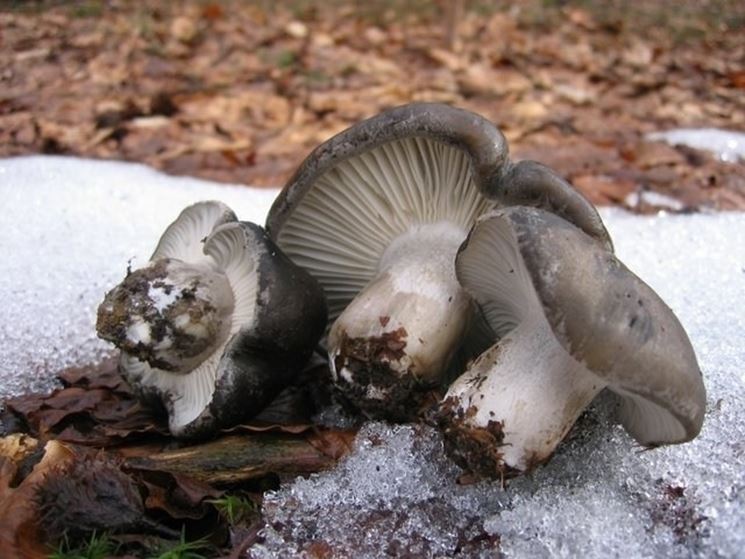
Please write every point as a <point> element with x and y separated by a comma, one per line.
<point>507,413</point>
<point>395,339</point>
<point>169,314</point>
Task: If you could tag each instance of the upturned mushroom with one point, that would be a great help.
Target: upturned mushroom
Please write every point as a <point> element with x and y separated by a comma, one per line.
<point>570,320</point>
<point>216,323</point>
<point>376,215</point>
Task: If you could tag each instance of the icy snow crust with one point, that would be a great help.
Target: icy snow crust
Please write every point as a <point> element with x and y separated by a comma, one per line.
<point>70,226</point>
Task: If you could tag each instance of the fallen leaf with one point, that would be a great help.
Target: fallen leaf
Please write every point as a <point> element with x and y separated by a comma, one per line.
<point>180,496</point>
<point>95,408</point>
<point>604,189</point>
<point>480,79</point>
<point>333,443</point>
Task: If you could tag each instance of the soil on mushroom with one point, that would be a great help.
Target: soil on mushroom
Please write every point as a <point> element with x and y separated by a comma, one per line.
<point>367,360</point>
<point>132,298</point>
<point>476,449</point>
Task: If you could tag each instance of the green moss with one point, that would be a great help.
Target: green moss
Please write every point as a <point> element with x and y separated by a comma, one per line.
<point>195,549</point>
<point>98,547</point>
<point>235,508</point>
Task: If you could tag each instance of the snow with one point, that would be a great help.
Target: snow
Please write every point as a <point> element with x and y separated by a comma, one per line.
<point>727,145</point>
<point>71,226</point>
<point>652,198</point>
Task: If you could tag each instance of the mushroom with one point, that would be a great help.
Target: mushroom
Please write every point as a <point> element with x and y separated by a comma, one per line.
<point>376,215</point>
<point>570,319</point>
<point>216,324</point>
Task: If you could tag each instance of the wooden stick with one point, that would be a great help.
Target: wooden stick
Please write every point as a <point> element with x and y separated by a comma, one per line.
<point>238,458</point>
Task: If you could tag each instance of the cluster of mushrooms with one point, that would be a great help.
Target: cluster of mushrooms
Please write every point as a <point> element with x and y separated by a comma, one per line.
<point>421,258</point>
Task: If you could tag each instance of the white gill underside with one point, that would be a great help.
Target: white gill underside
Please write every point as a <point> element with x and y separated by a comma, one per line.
<point>647,422</point>
<point>187,395</point>
<point>184,238</point>
<point>348,218</point>
<point>492,270</point>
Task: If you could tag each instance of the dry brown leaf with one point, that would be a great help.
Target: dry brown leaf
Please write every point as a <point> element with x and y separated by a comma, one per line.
<point>14,451</point>
<point>480,79</point>
<point>333,443</point>
<point>447,58</point>
<point>253,88</point>
<point>95,408</point>
<point>179,496</point>
<point>652,154</point>
<point>530,110</point>
<point>603,189</point>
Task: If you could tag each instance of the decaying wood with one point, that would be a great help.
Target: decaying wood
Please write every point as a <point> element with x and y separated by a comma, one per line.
<point>239,458</point>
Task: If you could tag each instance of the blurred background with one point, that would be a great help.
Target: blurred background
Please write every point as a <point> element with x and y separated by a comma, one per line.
<point>242,91</point>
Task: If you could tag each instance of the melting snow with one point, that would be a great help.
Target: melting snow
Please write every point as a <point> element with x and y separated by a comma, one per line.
<point>71,226</point>
<point>162,296</point>
<point>727,145</point>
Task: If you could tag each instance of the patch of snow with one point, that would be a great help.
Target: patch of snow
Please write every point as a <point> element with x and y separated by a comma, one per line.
<point>652,198</point>
<point>70,226</point>
<point>393,496</point>
<point>139,331</point>
<point>163,295</point>
<point>728,145</point>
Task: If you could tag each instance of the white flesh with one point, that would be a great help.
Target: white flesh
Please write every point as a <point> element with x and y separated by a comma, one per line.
<point>492,270</point>
<point>416,290</point>
<point>526,380</point>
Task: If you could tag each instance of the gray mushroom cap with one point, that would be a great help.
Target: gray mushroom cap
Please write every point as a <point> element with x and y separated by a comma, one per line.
<point>604,316</point>
<point>217,323</point>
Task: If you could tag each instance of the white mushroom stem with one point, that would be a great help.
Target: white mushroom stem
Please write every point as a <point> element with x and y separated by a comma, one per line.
<point>410,318</point>
<point>529,384</point>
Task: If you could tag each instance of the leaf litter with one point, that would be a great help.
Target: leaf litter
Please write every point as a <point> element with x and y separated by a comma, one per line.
<point>241,93</point>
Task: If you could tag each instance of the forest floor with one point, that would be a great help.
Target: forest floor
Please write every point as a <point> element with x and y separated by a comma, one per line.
<point>241,92</point>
